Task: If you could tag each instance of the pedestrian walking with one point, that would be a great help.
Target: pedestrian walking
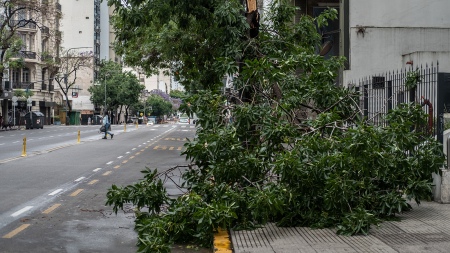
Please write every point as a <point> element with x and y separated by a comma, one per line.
<point>107,124</point>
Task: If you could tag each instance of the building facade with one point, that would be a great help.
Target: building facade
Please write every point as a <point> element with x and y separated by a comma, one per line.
<point>40,41</point>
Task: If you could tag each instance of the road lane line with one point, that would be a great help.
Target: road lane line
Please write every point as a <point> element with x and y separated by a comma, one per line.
<point>16,231</point>
<point>179,148</point>
<point>125,161</point>
<point>55,192</point>
<point>79,179</point>
<point>119,157</point>
<point>156,147</point>
<point>131,157</point>
<point>75,193</point>
<point>117,166</point>
<point>21,211</point>
<point>51,209</point>
<point>107,173</point>
<point>142,150</point>
<point>97,169</point>
<point>93,182</point>
<point>108,163</point>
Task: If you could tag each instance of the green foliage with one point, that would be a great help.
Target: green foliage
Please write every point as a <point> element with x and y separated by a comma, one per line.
<point>286,145</point>
<point>121,88</point>
<point>412,79</point>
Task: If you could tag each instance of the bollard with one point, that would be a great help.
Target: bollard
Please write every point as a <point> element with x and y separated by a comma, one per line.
<point>125,127</point>
<point>24,146</point>
<point>78,140</point>
<point>136,125</point>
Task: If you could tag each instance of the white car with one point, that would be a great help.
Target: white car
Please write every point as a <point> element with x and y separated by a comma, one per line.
<point>149,123</point>
<point>184,120</point>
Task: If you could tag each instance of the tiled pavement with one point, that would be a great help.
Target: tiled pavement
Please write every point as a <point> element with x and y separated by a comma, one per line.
<point>426,228</point>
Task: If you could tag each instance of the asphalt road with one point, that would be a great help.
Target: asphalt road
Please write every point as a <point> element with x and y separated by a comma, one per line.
<point>53,199</point>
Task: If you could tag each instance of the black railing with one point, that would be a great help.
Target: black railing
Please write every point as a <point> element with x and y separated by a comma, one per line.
<point>26,55</point>
<point>381,93</point>
<point>45,30</point>
<point>46,57</point>
<point>22,23</point>
<point>23,85</point>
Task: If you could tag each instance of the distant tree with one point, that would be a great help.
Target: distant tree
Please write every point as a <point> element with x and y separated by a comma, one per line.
<point>177,94</point>
<point>122,89</point>
<point>160,106</point>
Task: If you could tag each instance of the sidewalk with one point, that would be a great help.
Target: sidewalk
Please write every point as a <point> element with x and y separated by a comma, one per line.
<point>426,228</point>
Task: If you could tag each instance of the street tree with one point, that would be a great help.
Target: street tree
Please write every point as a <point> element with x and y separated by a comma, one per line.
<point>65,70</point>
<point>115,89</point>
<point>177,94</point>
<point>285,144</point>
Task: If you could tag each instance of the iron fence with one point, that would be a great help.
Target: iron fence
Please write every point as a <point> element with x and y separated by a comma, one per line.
<point>381,93</point>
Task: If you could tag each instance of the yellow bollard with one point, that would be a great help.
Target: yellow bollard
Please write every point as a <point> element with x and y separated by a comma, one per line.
<point>78,140</point>
<point>136,125</point>
<point>24,146</point>
<point>125,127</point>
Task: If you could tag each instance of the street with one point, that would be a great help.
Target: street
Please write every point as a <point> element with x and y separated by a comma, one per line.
<point>52,199</point>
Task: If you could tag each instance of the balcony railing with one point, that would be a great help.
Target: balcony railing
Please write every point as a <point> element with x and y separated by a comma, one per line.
<point>46,57</point>
<point>45,31</point>
<point>23,85</point>
<point>22,23</point>
<point>26,55</point>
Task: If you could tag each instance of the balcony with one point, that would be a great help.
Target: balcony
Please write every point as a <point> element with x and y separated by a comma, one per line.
<point>46,57</point>
<point>45,31</point>
<point>23,85</point>
<point>26,55</point>
<point>22,24</point>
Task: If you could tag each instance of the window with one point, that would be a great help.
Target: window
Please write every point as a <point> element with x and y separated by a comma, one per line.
<point>15,76</point>
<point>25,75</point>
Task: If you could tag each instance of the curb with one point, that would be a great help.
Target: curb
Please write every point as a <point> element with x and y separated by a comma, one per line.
<point>222,242</point>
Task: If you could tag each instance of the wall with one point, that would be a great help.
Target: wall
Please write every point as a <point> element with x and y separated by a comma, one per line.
<point>385,34</point>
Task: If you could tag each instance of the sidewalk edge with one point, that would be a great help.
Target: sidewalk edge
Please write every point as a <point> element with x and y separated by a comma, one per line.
<point>222,242</point>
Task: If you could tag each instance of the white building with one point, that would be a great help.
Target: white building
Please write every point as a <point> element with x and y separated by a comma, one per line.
<point>383,35</point>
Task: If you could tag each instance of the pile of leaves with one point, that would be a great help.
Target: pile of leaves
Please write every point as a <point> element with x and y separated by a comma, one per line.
<point>285,144</point>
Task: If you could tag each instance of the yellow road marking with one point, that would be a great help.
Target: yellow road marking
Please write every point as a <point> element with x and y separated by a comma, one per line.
<point>164,148</point>
<point>156,147</point>
<point>125,161</point>
<point>16,231</point>
<point>222,243</point>
<point>142,150</point>
<point>51,209</point>
<point>107,173</point>
<point>75,193</point>
<point>171,148</point>
<point>138,153</point>
<point>131,157</point>
<point>93,182</point>
<point>117,166</point>
<point>179,148</point>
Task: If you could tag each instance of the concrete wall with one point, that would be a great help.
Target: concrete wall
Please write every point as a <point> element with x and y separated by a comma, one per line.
<point>385,34</point>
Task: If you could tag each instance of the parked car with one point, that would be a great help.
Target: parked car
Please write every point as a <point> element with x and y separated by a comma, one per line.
<point>184,120</point>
